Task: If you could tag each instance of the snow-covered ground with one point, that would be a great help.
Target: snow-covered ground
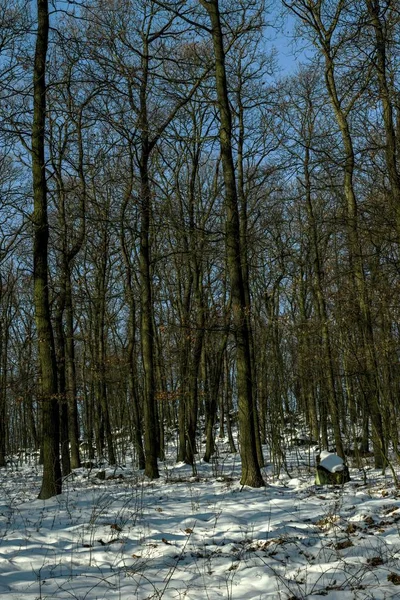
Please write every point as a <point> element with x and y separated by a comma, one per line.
<point>199,537</point>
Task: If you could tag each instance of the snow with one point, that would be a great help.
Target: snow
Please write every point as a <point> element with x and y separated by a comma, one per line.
<point>331,462</point>
<point>199,535</point>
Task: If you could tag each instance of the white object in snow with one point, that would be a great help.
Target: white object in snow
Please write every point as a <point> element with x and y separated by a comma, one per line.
<point>331,462</point>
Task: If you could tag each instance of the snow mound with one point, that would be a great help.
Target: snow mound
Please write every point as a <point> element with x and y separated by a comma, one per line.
<point>331,462</point>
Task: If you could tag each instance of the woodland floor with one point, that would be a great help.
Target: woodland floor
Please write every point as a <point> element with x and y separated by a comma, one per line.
<point>200,536</point>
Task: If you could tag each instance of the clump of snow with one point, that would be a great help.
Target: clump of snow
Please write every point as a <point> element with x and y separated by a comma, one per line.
<point>331,462</point>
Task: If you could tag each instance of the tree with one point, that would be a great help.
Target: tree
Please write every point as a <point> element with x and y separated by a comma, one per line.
<point>251,474</point>
<point>379,19</point>
<point>304,100</point>
<point>332,33</point>
<point>69,101</point>
<point>51,481</point>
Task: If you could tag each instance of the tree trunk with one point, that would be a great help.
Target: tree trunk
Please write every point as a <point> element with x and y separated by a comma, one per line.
<point>215,376</point>
<point>146,296</point>
<point>243,226</point>
<point>133,393</point>
<point>4,336</point>
<point>100,353</point>
<point>251,474</point>
<point>357,271</point>
<point>137,432</point>
<point>322,312</point>
<point>70,377</point>
<point>60,354</point>
<point>51,482</point>
<point>391,150</point>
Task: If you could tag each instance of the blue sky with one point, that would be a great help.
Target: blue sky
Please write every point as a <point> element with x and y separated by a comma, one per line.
<point>290,51</point>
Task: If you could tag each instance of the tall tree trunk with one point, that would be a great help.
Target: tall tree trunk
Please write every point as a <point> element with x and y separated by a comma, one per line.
<point>146,293</point>
<point>70,376</point>
<point>150,425</point>
<point>51,482</point>
<point>100,353</point>
<point>137,432</point>
<point>306,373</point>
<point>322,313</point>
<point>4,336</point>
<point>380,62</point>
<point>133,392</point>
<point>69,257</point>
<point>215,376</point>
<point>184,363</point>
<point>243,224</point>
<point>60,355</point>
<point>193,375</point>
<point>357,271</point>
<point>251,474</point>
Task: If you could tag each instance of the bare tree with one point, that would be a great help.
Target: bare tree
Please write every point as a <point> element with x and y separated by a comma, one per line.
<point>251,474</point>
<point>51,482</point>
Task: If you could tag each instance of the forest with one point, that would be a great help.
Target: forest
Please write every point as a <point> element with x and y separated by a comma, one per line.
<point>191,239</point>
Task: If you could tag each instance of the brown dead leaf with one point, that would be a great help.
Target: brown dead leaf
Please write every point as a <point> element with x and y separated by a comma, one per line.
<point>343,545</point>
<point>351,528</point>
<point>394,578</point>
